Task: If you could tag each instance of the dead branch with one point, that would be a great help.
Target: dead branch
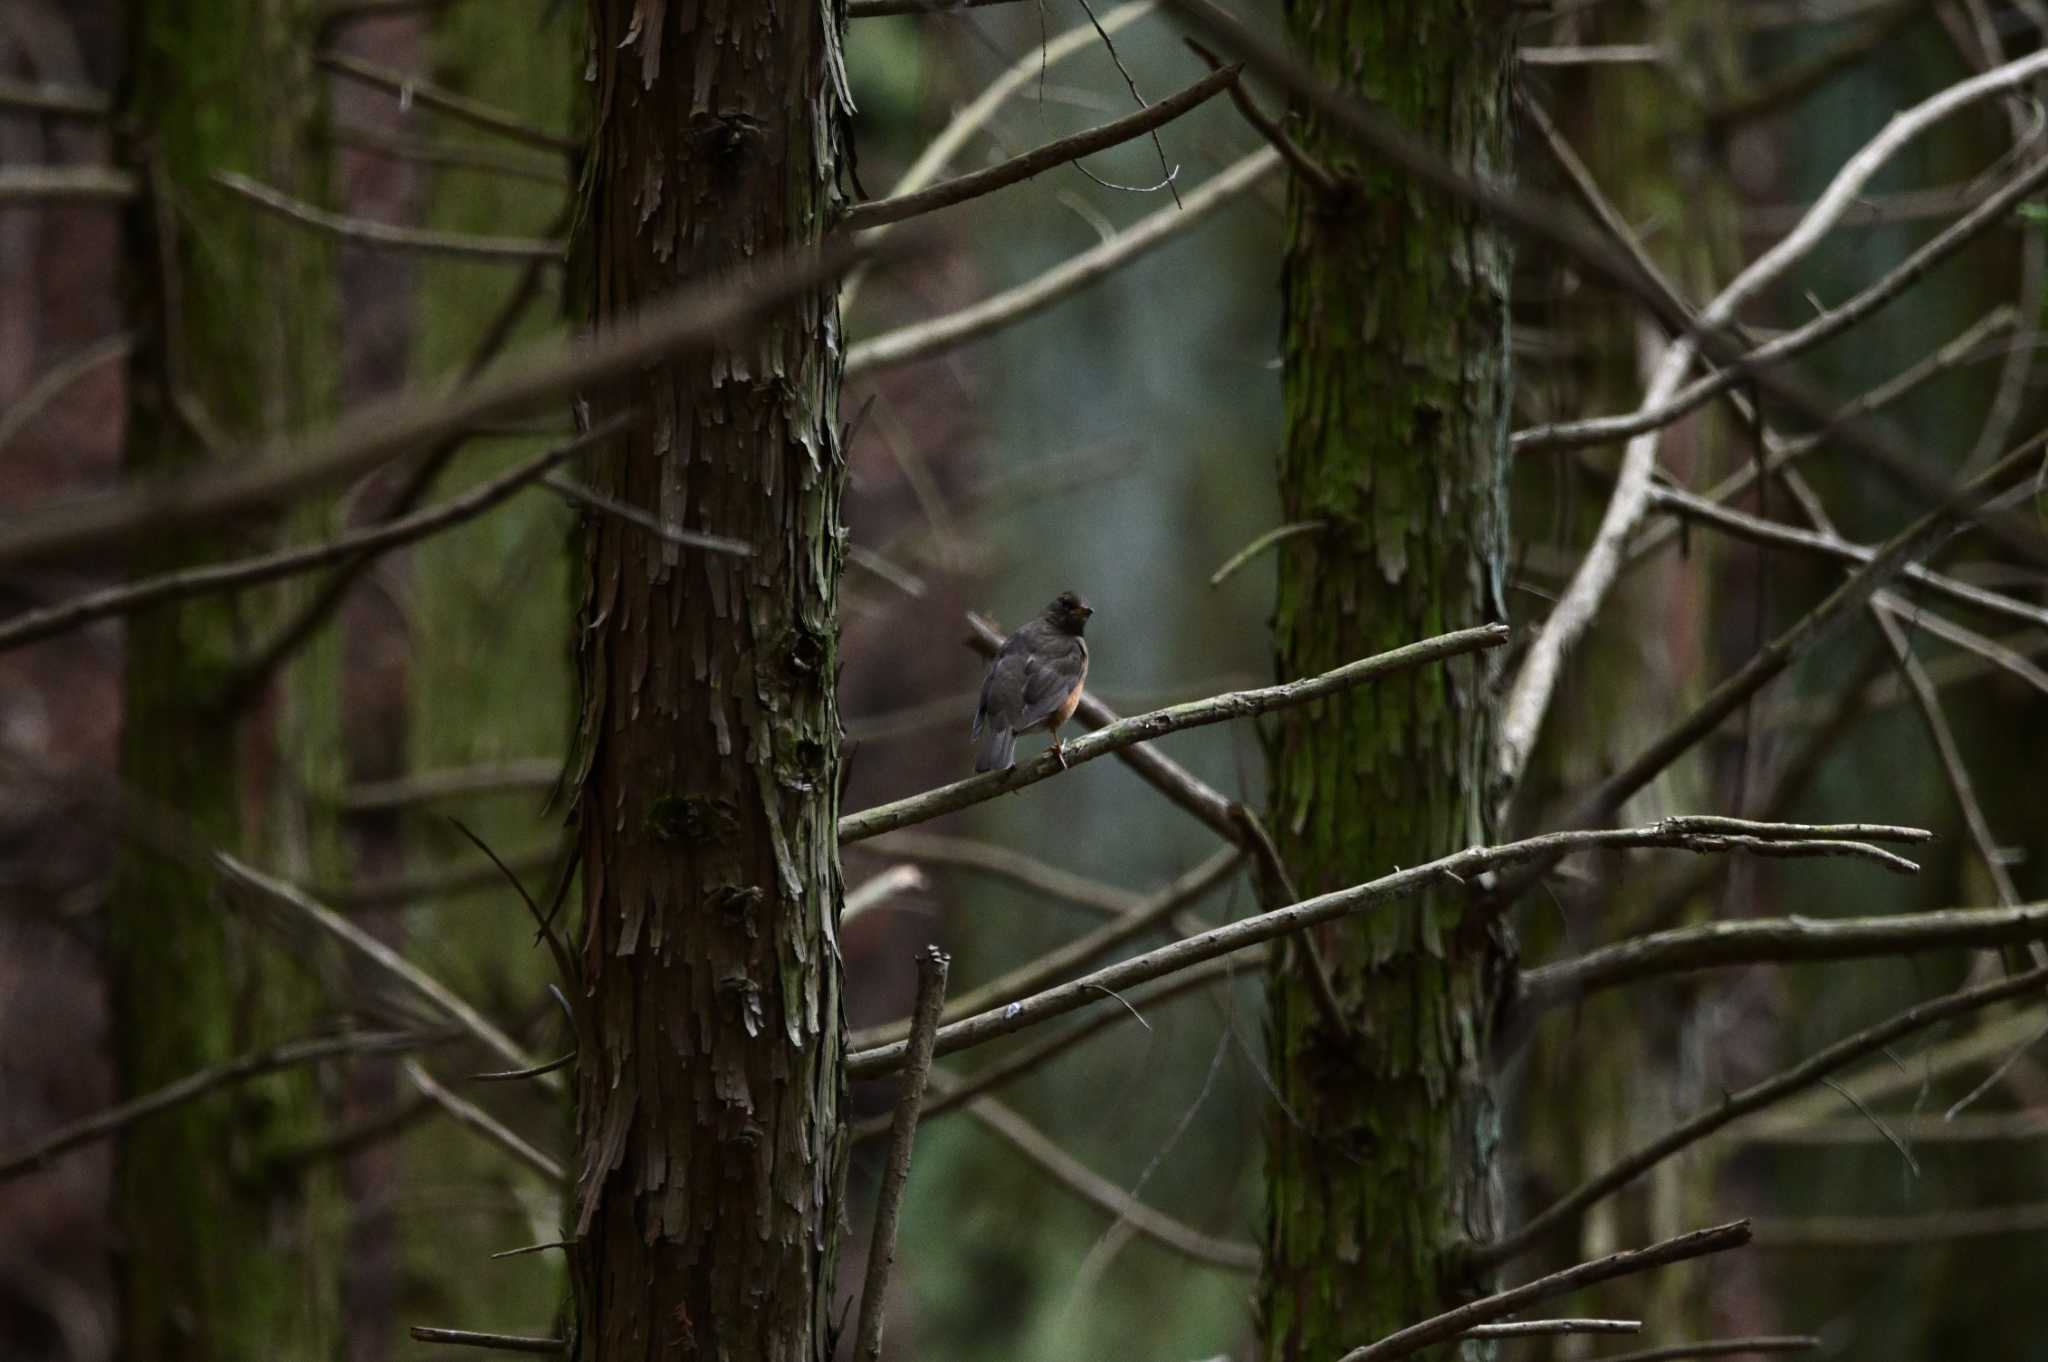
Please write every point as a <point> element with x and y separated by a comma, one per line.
<point>472,1117</point>
<point>413,90</point>
<point>385,236</point>
<point>470,1338</point>
<point>1547,1328</point>
<point>1003,863</point>
<point>1881,1232</point>
<point>460,782</point>
<point>1721,1347</point>
<point>45,97</point>
<point>1717,945</point>
<point>65,184</point>
<point>58,378</point>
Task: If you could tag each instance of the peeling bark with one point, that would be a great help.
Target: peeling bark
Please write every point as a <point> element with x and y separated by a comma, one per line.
<point>710,1153</point>
<point>1381,1159</point>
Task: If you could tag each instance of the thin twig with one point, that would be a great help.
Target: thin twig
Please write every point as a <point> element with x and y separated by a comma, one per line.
<point>1005,863</point>
<point>932,964</point>
<point>416,980</point>
<point>580,495</point>
<point>504,1343</point>
<point>1305,167</point>
<point>1038,160</point>
<point>185,583</point>
<point>376,432</point>
<point>1144,727</point>
<point>1793,82</point>
<point>877,890</point>
<point>58,378</point>
<point>412,90</point>
<point>448,881</point>
<point>454,155</point>
<point>1966,1128</point>
<point>292,1055</point>
<point>44,97</point>
<point>457,782</point>
<point>473,1117</point>
<point>1457,868</point>
<point>1804,1074</point>
<point>1880,1232</point>
<point>919,339</point>
<point>1546,1328</point>
<point>1453,1323</point>
<point>1718,945</point>
<point>1260,545</point>
<point>1092,1187</point>
<point>385,236</point>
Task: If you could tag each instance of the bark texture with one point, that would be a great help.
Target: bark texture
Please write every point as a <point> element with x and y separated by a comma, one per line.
<point>711,1085</point>
<point>225,1251</point>
<point>1381,1159</point>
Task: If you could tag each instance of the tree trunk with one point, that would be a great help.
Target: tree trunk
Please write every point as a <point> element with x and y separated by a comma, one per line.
<point>225,1253</point>
<point>710,1089</point>
<point>1381,1159</point>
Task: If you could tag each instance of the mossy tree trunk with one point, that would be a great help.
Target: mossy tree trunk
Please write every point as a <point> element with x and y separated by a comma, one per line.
<point>1381,1159</point>
<point>710,1088</point>
<point>224,1251</point>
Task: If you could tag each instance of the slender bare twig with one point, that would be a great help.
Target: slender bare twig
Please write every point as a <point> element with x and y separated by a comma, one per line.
<point>1260,545</point>
<point>2006,659</point>
<point>1105,1195</point>
<point>416,980</point>
<point>1144,915</point>
<point>1453,1323</point>
<point>454,155</point>
<point>470,1116</point>
<point>1828,545</point>
<point>385,236</point>
<point>292,1055</point>
<point>1717,945</point>
<point>1547,1328</point>
<point>877,890</point>
<point>958,1091</point>
<point>931,996</point>
<point>1679,834</point>
<point>1965,1128</point>
<point>1721,1347</point>
<point>1013,305</point>
<point>1901,1231</point>
<point>412,90</point>
<point>65,184</point>
<point>1038,160</point>
<point>471,1338</point>
<point>377,432</point>
<point>1026,872</point>
<point>1305,167</point>
<point>185,583</point>
<point>44,97</point>
<point>1145,727</point>
<point>54,381</point>
<point>399,891</point>
<point>1806,1073</point>
<point>578,494</point>
<point>459,782</point>
<point>1535,682</point>
<point>1605,54</point>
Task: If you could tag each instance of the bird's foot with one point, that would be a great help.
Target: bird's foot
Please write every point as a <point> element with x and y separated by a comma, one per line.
<point>1059,749</point>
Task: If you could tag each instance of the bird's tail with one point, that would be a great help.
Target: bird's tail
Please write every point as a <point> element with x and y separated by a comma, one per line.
<point>998,748</point>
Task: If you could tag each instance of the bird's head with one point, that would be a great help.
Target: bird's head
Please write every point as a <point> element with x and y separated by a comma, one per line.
<point>1068,613</point>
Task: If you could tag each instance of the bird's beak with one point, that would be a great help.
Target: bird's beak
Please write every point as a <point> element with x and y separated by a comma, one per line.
<point>1086,611</point>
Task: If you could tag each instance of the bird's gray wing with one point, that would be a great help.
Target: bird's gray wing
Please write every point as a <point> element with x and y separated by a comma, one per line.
<point>1049,678</point>
<point>1002,690</point>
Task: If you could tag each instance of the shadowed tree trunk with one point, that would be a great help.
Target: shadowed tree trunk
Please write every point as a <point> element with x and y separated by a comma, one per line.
<point>709,1155</point>
<point>224,1253</point>
<point>1382,1157</point>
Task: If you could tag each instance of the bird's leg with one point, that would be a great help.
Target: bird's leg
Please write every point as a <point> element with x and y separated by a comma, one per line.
<point>1059,750</point>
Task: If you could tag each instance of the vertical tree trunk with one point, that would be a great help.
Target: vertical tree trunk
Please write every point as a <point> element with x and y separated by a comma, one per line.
<point>709,1092</point>
<point>1382,1157</point>
<point>223,1254</point>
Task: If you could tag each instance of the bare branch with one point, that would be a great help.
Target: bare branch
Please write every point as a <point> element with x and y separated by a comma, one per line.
<point>384,236</point>
<point>417,981</point>
<point>1027,872</point>
<point>449,881</point>
<point>412,90</point>
<point>454,155</point>
<point>1144,915</point>
<point>1546,1328</point>
<point>1721,1347</point>
<point>1105,1195</point>
<point>35,1156</point>
<point>877,890</point>
<point>1305,167</point>
<point>577,494</point>
<point>459,782</point>
<point>65,184</point>
<point>932,964</point>
<point>1804,1074</point>
<point>1965,1128</point>
<point>1458,868</point>
<point>504,1343</point>
<point>1901,1231</point>
<point>1716,945</point>
<point>1260,545</point>
<point>54,381</point>
<point>1013,305</point>
<point>185,583</point>
<point>1038,160</point>
<point>380,431</point>
<point>470,1116</point>
<point>1453,1323</point>
<point>43,97</point>
<point>1145,727</point>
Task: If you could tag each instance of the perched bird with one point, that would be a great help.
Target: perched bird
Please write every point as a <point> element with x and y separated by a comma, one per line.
<point>1034,682</point>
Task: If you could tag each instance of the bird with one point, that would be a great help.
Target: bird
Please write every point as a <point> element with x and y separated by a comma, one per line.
<point>1034,683</point>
